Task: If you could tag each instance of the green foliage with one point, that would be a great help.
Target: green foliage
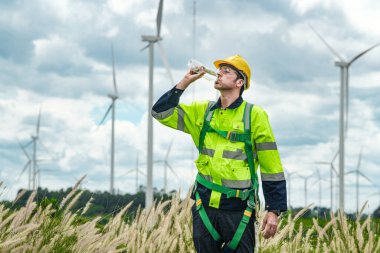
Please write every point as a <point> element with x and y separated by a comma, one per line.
<point>102,204</point>
<point>376,213</point>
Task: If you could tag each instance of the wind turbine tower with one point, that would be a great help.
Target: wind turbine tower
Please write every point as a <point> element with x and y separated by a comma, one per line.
<point>113,97</point>
<point>358,172</point>
<point>305,178</point>
<point>344,66</point>
<point>289,185</point>
<point>332,169</point>
<point>166,166</point>
<point>34,160</point>
<point>152,39</point>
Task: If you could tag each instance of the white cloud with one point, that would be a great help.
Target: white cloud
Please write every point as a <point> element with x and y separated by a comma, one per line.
<point>303,7</point>
<point>121,7</point>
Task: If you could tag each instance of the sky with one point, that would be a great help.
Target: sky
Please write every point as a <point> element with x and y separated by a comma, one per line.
<point>55,56</point>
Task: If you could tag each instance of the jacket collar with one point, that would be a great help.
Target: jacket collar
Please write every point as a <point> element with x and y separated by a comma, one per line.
<point>234,105</point>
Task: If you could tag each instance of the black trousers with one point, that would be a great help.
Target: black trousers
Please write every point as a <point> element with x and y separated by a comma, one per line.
<point>226,223</point>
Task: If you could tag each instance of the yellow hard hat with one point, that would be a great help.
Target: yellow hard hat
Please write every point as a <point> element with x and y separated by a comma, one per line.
<point>240,64</point>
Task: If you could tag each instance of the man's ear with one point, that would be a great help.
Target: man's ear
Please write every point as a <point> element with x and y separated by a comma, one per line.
<point>239,83</point>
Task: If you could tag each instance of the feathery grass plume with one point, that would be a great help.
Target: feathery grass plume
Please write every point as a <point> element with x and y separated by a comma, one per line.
<point>115,223</point>
<point>87,206</point>
<point>73,201</point>
<point>72,192</point>
<point>320,231</point>
<point>19,195</point>
<point>6,221</point>
<point>1,186</point>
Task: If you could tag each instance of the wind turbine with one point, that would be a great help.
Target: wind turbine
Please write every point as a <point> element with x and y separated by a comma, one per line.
<point>319,181</point>
<point>166,166</point>
<point>137,171</point>
<point>332,169</point>
<point>152,39</point>
<point>288,180</point>
<point>35,139</point>
<point>305,178</point>
<point>113,97</point>
<point>344,66</point>
<point>358,172</point>
<point>33,161</point>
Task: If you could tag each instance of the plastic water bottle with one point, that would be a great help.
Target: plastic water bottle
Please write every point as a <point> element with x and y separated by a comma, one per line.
<point>197,66</point>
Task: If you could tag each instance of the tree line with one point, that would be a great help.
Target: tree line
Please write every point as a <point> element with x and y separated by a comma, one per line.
<point>106,204</point>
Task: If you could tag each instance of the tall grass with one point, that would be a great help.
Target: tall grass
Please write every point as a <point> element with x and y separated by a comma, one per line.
<point>166,227</point>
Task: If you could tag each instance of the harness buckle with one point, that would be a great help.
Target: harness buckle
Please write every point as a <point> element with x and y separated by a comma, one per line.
<point>245,194</point>
<point>232,136</point>
<point>251,203</point>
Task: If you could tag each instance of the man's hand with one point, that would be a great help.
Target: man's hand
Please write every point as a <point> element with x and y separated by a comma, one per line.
<point>189,78</point>
<point>269,226</point>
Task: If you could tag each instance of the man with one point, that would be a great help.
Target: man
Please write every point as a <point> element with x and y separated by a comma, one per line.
<point>233,137</point>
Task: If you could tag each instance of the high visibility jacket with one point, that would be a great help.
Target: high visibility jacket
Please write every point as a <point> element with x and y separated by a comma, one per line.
<point>222,161</point>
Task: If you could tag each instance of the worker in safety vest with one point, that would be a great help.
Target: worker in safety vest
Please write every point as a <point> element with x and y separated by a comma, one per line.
<point>233,138</point>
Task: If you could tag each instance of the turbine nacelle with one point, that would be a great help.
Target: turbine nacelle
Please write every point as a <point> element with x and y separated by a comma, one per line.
<point>112,96</point>
<point>341,64</point>
<point>151,38</point>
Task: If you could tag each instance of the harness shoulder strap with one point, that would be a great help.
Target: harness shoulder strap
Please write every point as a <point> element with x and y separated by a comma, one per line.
<point>206,125</point>
<point>248,144</point>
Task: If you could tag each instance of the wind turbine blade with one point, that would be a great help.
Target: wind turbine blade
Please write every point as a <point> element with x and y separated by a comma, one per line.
<point>333,168</point>
<point>105,115</point>
<point>350,172</point>
<point>321,163</point>
<point>169,148</point>
<point>359,159</point>
<point>113,73</point>
<point>142,49</point>
<point>142,173</point>
<point>30,142</point>
<point>23,170</point>
<point>171,169</point>
<point>361,174</point>
<point>316,181</point>
<point>48,170</point>
<point>166,62</point>
<point>326,44</point>
<point>363,53</point>
<point>159,17</point>
<point>38,123</point>
<point>43,145</point>
<point>38,169</point>
<point>23,150</point>
<point>129,171</point>
<point>335,156</point>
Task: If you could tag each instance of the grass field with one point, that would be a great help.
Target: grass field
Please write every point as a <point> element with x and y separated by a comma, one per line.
<point>166,227</point>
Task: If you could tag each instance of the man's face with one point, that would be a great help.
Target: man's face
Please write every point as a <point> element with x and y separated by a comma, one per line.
<point>227,78</point>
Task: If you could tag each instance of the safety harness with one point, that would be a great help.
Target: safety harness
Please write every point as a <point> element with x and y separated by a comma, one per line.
<point>249,194</point>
